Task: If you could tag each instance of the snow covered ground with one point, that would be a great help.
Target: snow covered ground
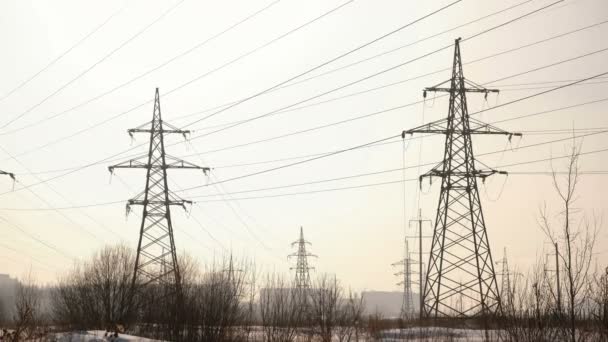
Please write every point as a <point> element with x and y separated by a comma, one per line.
<point>439,334</point>
<point>97,336</point>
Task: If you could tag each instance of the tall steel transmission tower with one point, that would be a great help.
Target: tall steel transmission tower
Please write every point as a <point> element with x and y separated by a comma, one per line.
<point>460,262</point>
<point>156,260</point>
<point>302,277</point>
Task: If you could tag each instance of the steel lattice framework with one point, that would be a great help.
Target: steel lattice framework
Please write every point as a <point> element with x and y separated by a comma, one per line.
<point>407,304</point>
<point>302,277</point>
<point>460,279</point>
<point>156,260</point>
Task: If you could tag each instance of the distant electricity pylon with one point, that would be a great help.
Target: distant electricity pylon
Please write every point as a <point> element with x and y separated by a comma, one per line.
<point>302,277</point>
<point>505,282</point>
<point>407,305</point>
<point>156,260</point>
<point>460,262</point>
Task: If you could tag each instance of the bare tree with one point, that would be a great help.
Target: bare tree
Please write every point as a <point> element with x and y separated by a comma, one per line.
<point>281,309</point>
<point>325,306</point>
<point>27,318</point>
<point>575,236</point>
<point>349,317</point>
<point>95,294</point>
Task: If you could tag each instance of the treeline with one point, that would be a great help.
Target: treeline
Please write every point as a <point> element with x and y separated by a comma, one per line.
<point>225,301</point>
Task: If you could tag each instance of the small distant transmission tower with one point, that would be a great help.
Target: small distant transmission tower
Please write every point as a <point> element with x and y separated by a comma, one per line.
<point>156,260</point>
<point>460,247</point>
<point>407,305</point>
<point>302,278</point>
<point>505,278</point>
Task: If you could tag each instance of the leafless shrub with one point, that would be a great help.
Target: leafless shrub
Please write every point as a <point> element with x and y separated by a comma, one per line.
<point>575,235</point>
<point>95,294</point>
<point>281,309</point>
<point>28,322</point>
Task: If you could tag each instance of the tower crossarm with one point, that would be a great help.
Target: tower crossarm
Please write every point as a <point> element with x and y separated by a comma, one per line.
<point>165,129</point>
<point>483,174</point>
<point>170,163</point>
<point>475,127</point>
<point>10,174</point>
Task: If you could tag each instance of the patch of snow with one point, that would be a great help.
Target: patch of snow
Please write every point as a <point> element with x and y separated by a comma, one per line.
<point>97,336</point>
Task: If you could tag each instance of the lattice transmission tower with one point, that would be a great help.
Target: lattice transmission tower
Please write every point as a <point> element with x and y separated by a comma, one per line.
<point>407,305</point>
<point>460,262</point>
<point>302,277</point>
<point>156,260</point>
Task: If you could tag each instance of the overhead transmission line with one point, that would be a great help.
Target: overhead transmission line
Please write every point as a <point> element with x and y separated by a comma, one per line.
<point>411,104</point>
<point>240,101</point>
<point>392,137</point>
<point>274,40</point>
<point>548,142</point>
<point>91,67</point>
<point>36,238</point>
<point>375,40</point>
<point>61,55</point>
<point>105,159</point>
<point>416,166</point>
<point>350,83</point>
<point>544,40</point>
<point>133,148</point>
<point>147,72</point>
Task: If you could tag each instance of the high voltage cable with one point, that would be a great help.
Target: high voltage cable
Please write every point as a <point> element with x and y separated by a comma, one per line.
<point>29,256</point>
<point>142,104</point>
<point>410,167</point>
<point>189,82</point>
<point>367,144</point>
<point>61,55</point>
<point>142,145</point>
<point>327,62</point>
<point>35,238</point>
<point>105,57</point>
<point>446,69</point>
<point>64,198</point>
<point>406,45</point>
<point>170,60</point>
<point>353,176</point>
<point>321,153</point>
<point>414,103</point>
<point>470,62</point>
<point>73,170</point>
<point>356,81</point>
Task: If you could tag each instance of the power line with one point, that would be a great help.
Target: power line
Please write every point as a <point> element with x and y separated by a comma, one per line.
<point>358,80</point>
<point>61,55</point>
<point>147,72</point>
<point>327,62</point>
<point>406,45</point>
<point>346,177</point>
<point>408,167</point>
<point>105,57</point>
<point>35,238</point>
<point>400,181</point>
<point>243,121</point>
<point>414,103</point>
<point>62,175</point>
<point>100,123</point>
<point>29,256</point>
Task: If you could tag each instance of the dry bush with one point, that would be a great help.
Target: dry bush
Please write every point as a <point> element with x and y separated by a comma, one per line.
<point>95,294</point>
<point>281,309</point>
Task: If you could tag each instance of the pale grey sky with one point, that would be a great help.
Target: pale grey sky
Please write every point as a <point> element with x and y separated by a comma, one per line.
<point>356,233</point>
